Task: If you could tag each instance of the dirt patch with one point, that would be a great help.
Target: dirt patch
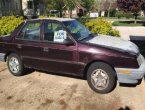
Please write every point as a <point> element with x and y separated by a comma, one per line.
<point>3,69</point>
<point>113,105</point>
<point>73,91</point>
<point>63,103</point>
<point>63,94</point>
<point>78,107</point>
<point>20,100</point>
<point>9,97</point>
<point>47,102</point>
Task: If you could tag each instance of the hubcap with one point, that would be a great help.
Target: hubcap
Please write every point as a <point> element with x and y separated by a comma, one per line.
<point>14,65</point>
<point>99,79</point>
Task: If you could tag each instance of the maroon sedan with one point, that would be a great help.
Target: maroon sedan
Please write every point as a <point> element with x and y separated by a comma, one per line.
<point>63,45</point>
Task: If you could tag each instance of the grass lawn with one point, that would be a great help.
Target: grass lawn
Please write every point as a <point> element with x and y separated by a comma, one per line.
<point>128,23</point>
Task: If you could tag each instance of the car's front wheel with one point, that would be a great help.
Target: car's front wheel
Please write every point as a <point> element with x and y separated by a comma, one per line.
<point>15,65</point>
<point>101,77</point>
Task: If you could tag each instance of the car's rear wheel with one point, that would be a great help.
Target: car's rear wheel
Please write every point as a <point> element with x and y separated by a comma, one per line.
<point>101,77</point>
<point>15,65</point>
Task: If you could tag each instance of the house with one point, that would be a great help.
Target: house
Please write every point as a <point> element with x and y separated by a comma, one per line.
<point>10,7</point>
<point>16,7</point>
<point>76,11</point>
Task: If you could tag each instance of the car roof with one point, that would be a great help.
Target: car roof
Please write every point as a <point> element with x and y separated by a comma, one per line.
<point>57,19</point>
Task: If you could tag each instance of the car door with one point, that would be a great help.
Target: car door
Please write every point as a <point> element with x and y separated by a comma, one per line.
<point>29,45</point>
<point>59,57</point>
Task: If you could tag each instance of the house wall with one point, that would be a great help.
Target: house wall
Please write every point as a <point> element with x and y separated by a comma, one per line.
<point>10,7</point>
<point>25,9</point>
<point>74,13</point>
<point>15,7</point>
<point>0,10</point>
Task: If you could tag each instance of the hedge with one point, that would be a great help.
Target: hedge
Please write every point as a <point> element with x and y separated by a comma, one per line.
<point>8,24</point>
<point>101,26</point>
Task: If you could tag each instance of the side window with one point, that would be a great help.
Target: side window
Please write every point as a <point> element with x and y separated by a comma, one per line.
<point>31,31</point>
<point>54,32</point>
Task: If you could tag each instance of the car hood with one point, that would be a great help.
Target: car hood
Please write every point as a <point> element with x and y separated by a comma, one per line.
<point>114,42</point>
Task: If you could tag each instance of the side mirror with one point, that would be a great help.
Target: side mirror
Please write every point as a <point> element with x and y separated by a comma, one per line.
<point>68,41</point>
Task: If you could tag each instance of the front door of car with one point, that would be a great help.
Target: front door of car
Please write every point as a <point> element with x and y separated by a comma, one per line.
<point>29,45</point>
<point>59,50</point>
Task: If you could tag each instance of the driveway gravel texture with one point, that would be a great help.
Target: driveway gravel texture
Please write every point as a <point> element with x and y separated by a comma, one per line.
<point>44,91</point>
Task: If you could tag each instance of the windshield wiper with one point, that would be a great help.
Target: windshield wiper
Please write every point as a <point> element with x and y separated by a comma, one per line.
<point>83,38</point>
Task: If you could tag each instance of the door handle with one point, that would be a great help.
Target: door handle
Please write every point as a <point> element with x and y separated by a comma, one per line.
<point>45,49</point>
<point>19,46</point>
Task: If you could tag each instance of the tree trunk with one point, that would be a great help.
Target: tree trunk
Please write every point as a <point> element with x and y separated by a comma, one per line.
<point>135,21</point>
<point>60,13</point>
<point>70,13</point>
<point>109,10</point>
<point>45,9</point>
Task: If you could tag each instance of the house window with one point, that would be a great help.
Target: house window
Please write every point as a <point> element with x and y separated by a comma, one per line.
<point>3,2</point>
<point>30,4</point>
<point>17,6</point>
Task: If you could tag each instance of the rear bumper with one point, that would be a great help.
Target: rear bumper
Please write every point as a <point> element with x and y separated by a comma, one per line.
<point>2,57</point>
<point>132,75</point>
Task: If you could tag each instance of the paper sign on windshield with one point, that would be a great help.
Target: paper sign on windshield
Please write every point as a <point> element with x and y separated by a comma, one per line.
<point>60,36</point>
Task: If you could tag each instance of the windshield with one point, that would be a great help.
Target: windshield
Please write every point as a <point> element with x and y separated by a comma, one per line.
<point>79,31</point>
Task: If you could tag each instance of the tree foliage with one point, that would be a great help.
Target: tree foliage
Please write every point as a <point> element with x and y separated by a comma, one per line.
<point>87,4</point>
<point>133,6</point>
<point>62,5</point>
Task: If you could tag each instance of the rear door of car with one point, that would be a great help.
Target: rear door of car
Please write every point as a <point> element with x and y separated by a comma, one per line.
<point>29,45</point>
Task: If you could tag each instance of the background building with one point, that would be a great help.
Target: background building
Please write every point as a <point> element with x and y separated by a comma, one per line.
<point>10,7</point>
<point>16,7</point>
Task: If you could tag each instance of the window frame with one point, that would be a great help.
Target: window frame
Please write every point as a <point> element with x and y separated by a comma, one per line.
<point>64,28</point>
<point>26,24</point>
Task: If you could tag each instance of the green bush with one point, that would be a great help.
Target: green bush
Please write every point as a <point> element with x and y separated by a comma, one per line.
<point>101,26</point>
<point>83,20</point>
<point>128,15</point>
<point>8,24</point>
<point>119,14</point>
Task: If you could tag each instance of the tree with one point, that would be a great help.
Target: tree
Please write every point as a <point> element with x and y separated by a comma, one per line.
<point>87,4</point>
<point>62,5</point>
<point>109,5</point>
<point>70,5</point>
<point>99,6</point>
<point>44,2</point>
<point>133,6</point>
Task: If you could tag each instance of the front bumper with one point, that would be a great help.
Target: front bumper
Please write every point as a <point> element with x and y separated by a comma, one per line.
<point>2,57</point>
<point>131,76</point>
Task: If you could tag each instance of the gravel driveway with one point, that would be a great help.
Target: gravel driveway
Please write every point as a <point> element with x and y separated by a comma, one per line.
<point>127,31</point>
<point>41,91</point>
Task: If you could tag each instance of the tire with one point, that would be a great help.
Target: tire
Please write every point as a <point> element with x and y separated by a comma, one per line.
<point>15,65</point>
<point>101,77</point>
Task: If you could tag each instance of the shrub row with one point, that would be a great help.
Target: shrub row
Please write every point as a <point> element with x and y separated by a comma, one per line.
<point>8,24</point>
<point>101,26</point>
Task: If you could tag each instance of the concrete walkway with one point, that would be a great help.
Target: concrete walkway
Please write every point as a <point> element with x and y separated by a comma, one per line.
<point>127,31</point>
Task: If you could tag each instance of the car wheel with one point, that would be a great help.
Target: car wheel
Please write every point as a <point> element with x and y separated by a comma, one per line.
<point>101,77</point>
<point>15,65</point>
